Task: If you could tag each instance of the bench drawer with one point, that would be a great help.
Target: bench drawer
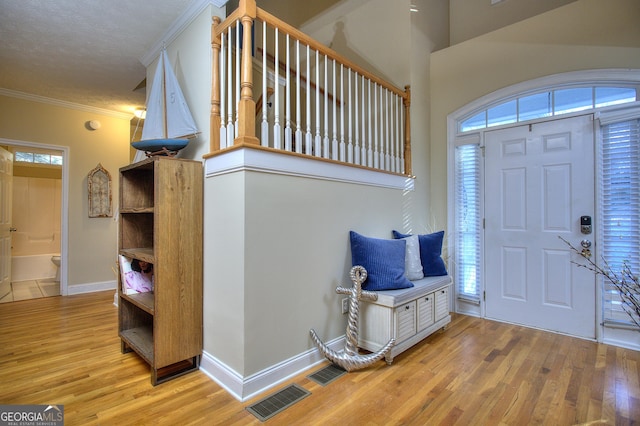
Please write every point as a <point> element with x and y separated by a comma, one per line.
<point>405,321</point>
<point>425,311</point>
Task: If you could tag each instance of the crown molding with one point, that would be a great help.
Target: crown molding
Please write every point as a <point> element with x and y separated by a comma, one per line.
<point>64,104</point>
<point>179,25</point>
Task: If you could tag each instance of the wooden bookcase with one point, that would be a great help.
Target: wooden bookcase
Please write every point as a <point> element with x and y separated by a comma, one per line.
<point>161,223</point>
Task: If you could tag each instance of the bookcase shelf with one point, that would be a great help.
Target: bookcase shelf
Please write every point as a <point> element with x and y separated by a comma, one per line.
<point>161,223</point>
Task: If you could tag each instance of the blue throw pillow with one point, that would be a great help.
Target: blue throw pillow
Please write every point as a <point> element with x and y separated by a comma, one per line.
<point>383,260</point>
<point>430,253</point>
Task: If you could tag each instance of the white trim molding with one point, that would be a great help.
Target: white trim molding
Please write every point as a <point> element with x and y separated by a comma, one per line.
<point>258,160</point>
<point>567,79</point>
<point>245,388</point>
<point>619,113</point>
<point>179,25</point>
<point>91,287</point>
<point>65,104</point>
<point>624,338</point>
<point>64,219</point>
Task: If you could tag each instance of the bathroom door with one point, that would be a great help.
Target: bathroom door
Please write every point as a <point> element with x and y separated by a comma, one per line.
<point>6,178</point>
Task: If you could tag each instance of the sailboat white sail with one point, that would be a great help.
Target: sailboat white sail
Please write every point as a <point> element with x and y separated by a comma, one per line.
<point>168,122</point>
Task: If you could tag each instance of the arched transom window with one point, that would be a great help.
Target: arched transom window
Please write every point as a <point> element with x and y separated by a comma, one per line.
<point>565,100</point>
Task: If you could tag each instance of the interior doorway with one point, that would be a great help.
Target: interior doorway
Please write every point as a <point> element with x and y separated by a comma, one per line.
<point>40,186</point>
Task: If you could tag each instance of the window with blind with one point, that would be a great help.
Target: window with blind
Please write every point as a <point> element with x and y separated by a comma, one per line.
<point>620,207</point>
<point>468,217</point>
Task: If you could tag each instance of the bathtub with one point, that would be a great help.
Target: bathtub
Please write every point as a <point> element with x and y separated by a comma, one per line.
<point>32,267</point>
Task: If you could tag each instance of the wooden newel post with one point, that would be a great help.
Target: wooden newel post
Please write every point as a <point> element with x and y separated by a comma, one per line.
<point>247,106</point>
<point>214,142</point>
<point>407,131</point>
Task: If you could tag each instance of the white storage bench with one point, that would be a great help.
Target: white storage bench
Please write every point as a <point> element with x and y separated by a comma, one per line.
<point>408,315</point>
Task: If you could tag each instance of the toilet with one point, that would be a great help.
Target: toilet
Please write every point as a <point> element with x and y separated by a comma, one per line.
<point>56,261</point>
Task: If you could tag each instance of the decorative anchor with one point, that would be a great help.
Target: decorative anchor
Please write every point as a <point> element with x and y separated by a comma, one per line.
<point>349,359</point>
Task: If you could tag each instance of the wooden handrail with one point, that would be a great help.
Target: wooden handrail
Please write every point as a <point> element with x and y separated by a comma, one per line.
<point>244,126</point>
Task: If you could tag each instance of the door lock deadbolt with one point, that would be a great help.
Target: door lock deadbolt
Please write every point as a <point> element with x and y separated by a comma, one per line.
<point>585,224</point>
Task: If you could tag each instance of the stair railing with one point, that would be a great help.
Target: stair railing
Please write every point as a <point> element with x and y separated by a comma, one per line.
<point>312,101</point>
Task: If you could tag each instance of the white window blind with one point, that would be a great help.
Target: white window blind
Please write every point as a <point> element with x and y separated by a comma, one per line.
<point>468,219</point>
<point>620,207</point>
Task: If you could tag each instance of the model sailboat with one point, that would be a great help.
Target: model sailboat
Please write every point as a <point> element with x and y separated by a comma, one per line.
<point>168,124</point>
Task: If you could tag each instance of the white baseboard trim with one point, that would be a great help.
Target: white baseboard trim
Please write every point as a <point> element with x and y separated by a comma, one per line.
<point>91,287</point>
<point>622,344</point>
<point>245,388</point>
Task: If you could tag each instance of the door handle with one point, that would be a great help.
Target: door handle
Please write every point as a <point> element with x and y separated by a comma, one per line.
<point>12,229</point>
<point>586,248</point>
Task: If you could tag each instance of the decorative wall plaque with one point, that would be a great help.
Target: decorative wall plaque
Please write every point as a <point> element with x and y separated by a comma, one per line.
<point>99,181</point>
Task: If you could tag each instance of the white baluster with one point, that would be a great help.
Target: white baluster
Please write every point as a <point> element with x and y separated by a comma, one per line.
<point>238,80</point>
<point>396,133</point>
<point>384,159</point>
<point>401,121</point>
<point>363,143</point>
<point>356,122</point>
<point>223,87</point>
<point>342,144</point>
<point>334,140</point>
<point>370,133</point>
<point>388,133</point>
<point>308,139</point>
<point>392,132</point>
<point>230,126</point>
<point>317,149</point>
<point>376,163</point>
<point>350,128</point>
<point>277,144</point>
<point>264,125</point>
<point>298,137</point>
<point>287,101</point>
<point>325,140</point>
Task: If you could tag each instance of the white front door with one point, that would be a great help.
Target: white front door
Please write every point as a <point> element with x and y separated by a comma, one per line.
<point>539,182</point>
<point>6,179</point>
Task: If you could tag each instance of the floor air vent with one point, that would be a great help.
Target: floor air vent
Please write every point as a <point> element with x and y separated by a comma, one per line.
<point>277,402</point>
<point>327,374</point>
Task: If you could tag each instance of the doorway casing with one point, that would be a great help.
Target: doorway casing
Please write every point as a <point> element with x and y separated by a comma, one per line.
<point>64,214</point>
<point>454,138</point>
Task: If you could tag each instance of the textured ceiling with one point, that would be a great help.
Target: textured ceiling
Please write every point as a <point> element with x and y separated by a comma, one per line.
<point>89,52</point>
<point>86,52</point>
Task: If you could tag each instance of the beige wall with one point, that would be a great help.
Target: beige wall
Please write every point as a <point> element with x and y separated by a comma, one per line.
<point>368,33</point>
<point>473,18</point>
<point>92,241</point>
<point>583,35</point>
<point>395,44</point>
<point>275,254</point>
<point>36,215</point>
<point>277,246</point>
<point>190,56</point>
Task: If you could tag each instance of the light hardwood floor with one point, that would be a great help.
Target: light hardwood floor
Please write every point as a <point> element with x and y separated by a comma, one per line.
<point>65,350</point>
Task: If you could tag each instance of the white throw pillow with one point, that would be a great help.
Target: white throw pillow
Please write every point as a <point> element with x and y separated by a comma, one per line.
<point>412,263</point>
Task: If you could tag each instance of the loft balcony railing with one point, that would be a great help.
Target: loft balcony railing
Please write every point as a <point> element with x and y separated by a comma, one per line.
<point>275,88</point>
